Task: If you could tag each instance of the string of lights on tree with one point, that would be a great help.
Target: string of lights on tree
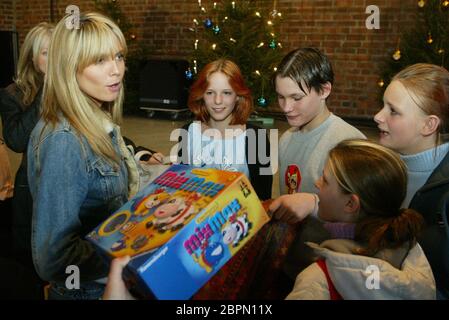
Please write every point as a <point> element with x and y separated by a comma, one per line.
<point>427,42</point>
<point>242,31</point>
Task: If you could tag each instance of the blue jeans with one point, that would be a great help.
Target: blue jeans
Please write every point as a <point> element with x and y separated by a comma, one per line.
<point>87,291</point>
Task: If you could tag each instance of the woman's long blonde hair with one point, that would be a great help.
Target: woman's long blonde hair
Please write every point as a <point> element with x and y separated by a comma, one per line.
<point>29,79</point>
<point>71,51</point>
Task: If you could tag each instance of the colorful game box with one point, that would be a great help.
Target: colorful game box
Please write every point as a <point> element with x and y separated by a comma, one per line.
<point>182,228</point>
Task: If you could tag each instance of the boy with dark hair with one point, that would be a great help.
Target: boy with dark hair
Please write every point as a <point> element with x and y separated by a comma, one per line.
<point>303,82</point>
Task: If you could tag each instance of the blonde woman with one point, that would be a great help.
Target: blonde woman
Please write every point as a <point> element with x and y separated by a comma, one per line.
<point>80,170</point>
<point>19,109</point>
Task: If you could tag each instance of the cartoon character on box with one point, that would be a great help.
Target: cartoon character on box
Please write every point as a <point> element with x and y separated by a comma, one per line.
<point>140,241</point>
<point>236,230</point>
<point>116,222</point>
<point>211,255</point>
<point>119,245</point>
<point>142,205</point>
<point>128,227</point>
<point>172,214</point>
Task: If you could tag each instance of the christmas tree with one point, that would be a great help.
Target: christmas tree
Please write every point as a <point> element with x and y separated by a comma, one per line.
<point>243,32</point>
<point>136,52</point>
<point>427,42</point>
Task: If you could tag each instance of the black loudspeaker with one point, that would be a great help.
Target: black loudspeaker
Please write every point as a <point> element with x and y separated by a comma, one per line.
<point>163,85</point>
<point>8,56</point>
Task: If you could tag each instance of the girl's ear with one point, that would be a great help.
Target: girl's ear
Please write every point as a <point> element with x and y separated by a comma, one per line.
<point>352,205</point>
<point>431,125</point>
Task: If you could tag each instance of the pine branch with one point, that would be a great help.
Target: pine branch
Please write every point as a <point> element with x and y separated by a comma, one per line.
<point>416,45</point>
<point>247,31</point>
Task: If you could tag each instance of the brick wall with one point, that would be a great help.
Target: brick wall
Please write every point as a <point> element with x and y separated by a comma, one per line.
<point>335,26</point>
<point>357,54</point>
<point>6,15</point>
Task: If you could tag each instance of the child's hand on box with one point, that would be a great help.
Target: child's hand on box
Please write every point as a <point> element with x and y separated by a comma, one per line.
<point>148,158</point>
<point>115,287</point>
<point>157,158</point>
<point>293,208</point>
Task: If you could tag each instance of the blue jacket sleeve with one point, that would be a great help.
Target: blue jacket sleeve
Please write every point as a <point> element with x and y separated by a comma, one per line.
<point>59,184</point>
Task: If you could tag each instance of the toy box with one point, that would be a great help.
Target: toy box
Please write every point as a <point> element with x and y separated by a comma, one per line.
<point>182,228</point>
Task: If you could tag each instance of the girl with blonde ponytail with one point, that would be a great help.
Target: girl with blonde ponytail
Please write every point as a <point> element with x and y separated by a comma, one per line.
<point>80,170</point>
<point>363,186</point>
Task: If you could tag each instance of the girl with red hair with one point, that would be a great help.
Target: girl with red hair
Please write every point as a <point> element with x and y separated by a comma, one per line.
<point>220,137</point>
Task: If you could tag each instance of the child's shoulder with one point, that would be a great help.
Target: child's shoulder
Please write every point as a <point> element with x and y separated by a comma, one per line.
<point>288,133</point>
<point>339,128</point>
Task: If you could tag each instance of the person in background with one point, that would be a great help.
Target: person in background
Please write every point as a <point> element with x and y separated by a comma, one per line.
<point>19,110</point>
<point>6,193</point>
<point>6,183</point>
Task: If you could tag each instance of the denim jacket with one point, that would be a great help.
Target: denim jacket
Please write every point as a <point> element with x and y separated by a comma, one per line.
<point>74,190</point>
